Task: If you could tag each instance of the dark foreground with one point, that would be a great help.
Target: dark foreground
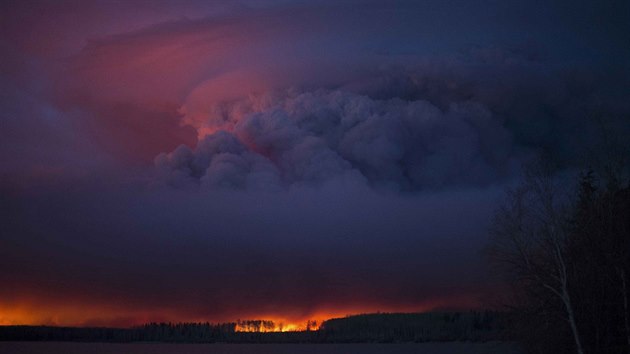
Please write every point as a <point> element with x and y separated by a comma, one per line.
<point>172,348</point>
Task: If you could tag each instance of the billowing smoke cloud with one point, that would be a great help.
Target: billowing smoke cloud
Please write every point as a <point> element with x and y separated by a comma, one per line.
<point>471,122</point>
<point>293,137</point>
<point>281,159</point>
<point>194,67</point>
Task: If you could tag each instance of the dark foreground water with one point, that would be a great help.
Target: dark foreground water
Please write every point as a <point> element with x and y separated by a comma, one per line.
<point>161,348</point>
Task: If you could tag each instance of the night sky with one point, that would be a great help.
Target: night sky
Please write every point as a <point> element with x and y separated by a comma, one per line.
<point>287,160</point>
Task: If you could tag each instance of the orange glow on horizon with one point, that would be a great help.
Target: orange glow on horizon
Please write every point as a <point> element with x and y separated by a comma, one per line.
<point>72,316</point>
<point>84,316</point>
<point>78,314</point>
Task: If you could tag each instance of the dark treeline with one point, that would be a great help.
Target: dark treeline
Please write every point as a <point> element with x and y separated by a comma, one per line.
<point>455,326</point>
<point>566,251</point>
<point>417,327</point>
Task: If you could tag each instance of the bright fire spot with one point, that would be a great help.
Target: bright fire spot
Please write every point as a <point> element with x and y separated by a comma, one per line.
<point>271,326</point>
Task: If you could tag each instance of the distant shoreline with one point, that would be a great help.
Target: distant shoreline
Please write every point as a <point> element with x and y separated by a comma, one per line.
<point>472,326</point>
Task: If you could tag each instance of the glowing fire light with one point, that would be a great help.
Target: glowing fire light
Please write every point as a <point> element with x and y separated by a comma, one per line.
<point>271,326</point>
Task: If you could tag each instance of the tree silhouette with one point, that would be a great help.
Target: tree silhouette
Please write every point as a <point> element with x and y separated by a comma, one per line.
<point>567,253</point>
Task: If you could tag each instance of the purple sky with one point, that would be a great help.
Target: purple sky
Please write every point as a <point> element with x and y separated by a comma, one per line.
<point>195,160</point>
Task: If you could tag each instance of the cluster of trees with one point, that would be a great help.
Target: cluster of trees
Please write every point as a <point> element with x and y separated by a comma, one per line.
<point>255,326</point>
<point>566,251</point>
<point>472,326</point>
<point>417,327</point>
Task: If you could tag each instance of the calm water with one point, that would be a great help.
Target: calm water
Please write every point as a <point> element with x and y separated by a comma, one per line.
<point>160,348</point>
